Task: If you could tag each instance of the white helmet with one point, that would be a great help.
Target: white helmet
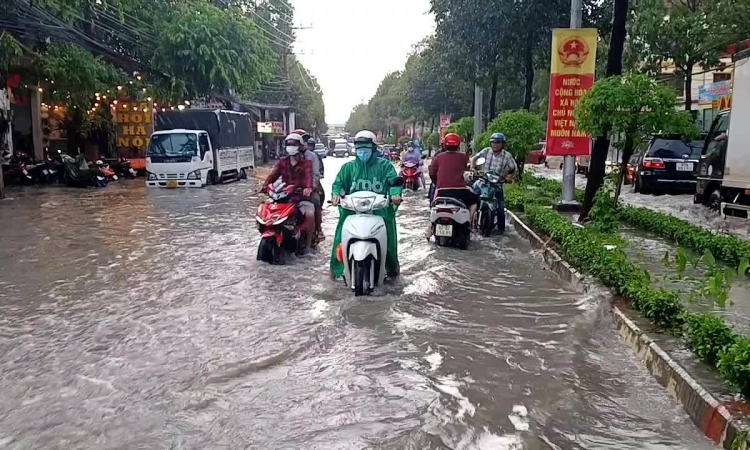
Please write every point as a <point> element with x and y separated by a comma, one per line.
<point>365,136</point>
<point>293,143</point>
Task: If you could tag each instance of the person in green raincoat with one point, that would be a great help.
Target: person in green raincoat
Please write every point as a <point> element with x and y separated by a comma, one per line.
<point>368,172</point>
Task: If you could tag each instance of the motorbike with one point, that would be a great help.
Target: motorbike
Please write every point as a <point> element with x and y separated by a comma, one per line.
<point>451,223</point>
<point>487,212</point>
<point>410,173</point>
<point>281,224</point>
<point>364,240</point>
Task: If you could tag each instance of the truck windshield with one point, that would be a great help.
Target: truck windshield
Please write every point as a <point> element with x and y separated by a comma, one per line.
<point>675,148</point>
<point>173,145</point>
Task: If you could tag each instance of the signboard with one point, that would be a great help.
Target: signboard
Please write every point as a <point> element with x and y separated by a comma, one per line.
<point>571,76</point>
<point>265,127</point>
<point>445,120</point>
<point>724,102</point>
<point>708,93</point>
<point>278,128</point>
<point>135,123</point>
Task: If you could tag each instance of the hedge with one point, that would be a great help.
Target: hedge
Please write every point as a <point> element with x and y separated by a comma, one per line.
<point>708,335</point>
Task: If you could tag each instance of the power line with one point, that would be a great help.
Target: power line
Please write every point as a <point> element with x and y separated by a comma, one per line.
<point>272,25</point>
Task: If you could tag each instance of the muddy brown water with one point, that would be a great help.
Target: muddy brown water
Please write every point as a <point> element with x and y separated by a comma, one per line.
<point>140,319</point>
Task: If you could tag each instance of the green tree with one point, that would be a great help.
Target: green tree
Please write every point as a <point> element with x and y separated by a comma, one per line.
<point>633,106</point>
<point>359,119</point>
<point>522,130</point>
<point>464,127</point>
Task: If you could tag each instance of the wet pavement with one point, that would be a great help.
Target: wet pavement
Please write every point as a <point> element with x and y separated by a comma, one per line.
<point>140,319</point>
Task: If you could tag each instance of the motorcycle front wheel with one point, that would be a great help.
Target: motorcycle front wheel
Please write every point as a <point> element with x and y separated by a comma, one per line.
<point>268,250</point>
<point>486,221</point>
<point>361,277</point>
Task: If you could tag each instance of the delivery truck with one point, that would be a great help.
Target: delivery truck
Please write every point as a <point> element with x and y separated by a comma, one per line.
<point>199,147</point>
<point>723,179</point>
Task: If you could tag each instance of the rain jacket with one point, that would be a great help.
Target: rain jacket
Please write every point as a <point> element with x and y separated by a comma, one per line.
<point>375,176</point>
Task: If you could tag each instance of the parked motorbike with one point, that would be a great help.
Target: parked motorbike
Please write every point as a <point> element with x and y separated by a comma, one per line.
<point>410,173</point>
<point>76,173</point>
<point>450,221</point>
<point>487,212</point>
<point>123,169</point>
<point>364,240</point>
<point>281,224</point>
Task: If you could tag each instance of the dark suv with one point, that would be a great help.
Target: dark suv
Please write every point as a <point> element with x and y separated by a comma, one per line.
<point>668,164</point>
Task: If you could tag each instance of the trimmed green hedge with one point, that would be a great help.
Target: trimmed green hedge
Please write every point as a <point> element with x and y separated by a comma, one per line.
<point>731,249</point>
<point>708,335</point>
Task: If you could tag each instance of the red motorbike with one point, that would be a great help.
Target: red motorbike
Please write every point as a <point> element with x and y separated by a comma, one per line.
<point>410,174</point>
<point>281,224</point>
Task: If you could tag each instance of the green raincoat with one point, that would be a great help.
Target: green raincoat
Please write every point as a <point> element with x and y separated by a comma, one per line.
<point>374,176</point>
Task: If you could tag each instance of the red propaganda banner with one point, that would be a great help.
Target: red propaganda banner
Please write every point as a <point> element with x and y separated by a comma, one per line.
<point>572,74</point>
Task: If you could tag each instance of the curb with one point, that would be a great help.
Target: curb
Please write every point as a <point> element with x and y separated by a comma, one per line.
<point>713,419</point>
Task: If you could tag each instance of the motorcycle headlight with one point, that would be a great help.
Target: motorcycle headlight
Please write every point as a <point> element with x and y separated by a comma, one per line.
<point>151,176</point>
<point>492,178</point>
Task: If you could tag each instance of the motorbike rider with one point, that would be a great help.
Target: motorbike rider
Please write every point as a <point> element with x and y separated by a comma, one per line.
<point>371,173</point>
<point>297,170</point>
<point>317,163</point>
<point>447,175</point>
<point>318,189</point>
<point>412,154</point>
<point>501,163</point>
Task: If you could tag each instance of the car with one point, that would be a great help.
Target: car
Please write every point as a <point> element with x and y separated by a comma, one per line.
<point>630,170</point>
<point>340,148</point>
<point>668,163</point>
<point>321,151</point>
<point>352,149</point>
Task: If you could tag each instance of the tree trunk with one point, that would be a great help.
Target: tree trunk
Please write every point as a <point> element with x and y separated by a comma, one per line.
<point>432,124</point>
<point>627,152</point>
<point>689,86</point>
<point>493,97</point>
<point>598,160</point>
<point>528,64</point>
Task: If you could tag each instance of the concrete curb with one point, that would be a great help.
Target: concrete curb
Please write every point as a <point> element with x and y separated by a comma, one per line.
<point>704,409</point>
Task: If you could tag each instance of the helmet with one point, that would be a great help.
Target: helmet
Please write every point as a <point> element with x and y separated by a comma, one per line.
<point>310,142</point>
<point>294,143</point>
<point>497,137</point>
<point>305,135</point>
<point>365,136</point>
<point>452,140</point>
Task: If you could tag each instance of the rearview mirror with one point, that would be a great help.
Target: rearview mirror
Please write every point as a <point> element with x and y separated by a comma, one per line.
<point>480,161</point>
<point>398,181</point>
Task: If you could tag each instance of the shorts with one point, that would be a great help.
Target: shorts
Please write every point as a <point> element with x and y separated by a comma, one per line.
<point>463,195</point>
<point>306,207</point>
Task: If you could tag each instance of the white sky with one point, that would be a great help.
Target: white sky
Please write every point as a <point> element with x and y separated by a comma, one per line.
<point>353,44</point>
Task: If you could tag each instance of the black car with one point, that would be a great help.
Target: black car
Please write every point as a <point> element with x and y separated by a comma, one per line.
<point>668,164</point>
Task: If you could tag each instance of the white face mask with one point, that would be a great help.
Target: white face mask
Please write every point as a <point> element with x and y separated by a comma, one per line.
<point>292,150</point>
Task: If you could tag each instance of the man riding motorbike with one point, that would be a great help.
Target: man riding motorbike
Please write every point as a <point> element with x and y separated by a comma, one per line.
<point>447,175</point>
<point>501,163</point>
<point>412,154</point>
<point>317,164</point>
<point>367,172</point>
<point>296,170</point>
<point>318,189</point>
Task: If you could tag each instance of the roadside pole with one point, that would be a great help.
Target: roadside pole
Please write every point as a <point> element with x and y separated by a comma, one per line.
<point>569,162</point>
<point>477,117</point>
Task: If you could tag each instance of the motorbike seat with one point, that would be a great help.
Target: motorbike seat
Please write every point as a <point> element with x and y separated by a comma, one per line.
<point>448,201</point>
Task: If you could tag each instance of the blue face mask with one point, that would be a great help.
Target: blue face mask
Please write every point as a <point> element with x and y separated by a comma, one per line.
<point>364,154</point>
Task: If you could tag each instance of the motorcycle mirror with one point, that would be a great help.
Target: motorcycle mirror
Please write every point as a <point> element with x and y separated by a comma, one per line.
<point>398,181</point>
<point>480,161</point>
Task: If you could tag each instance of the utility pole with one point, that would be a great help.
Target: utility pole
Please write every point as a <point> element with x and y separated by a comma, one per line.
<point>477,117</point>
<point>569,162</point>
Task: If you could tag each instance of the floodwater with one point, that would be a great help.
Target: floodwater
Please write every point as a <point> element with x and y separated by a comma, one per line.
<point>137,319</point>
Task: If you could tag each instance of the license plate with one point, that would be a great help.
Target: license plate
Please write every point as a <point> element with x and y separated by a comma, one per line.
<point>45,171</point>
<point>114,177</point>
<point>685,167</point>
<point>171,184</point>
<point>444,230</point>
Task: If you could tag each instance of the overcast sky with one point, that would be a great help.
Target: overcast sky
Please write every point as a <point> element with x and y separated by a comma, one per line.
<point>353,44</point>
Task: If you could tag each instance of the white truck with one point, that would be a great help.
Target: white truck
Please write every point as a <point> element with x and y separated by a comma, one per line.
<point>724,168</point>
<point>199,147</point>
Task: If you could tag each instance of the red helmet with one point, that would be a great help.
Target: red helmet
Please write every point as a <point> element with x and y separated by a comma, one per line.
<point>452,140</point>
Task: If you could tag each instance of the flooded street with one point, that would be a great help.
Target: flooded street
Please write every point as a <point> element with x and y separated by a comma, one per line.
<point>140,319</point>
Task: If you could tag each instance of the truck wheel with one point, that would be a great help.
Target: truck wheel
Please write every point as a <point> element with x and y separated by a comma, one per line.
<point>210,178</point>
<point>714,201</point>
<point>243,174</point>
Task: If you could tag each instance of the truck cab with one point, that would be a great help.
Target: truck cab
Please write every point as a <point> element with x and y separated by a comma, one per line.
<point>180,158</point>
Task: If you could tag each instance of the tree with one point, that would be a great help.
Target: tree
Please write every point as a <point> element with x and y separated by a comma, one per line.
<point>685,32</point>
<point>633,106</point>
<point>522,130</point>
<point>598,161</point>
<point>464,127</point>
<point>359,119</point>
